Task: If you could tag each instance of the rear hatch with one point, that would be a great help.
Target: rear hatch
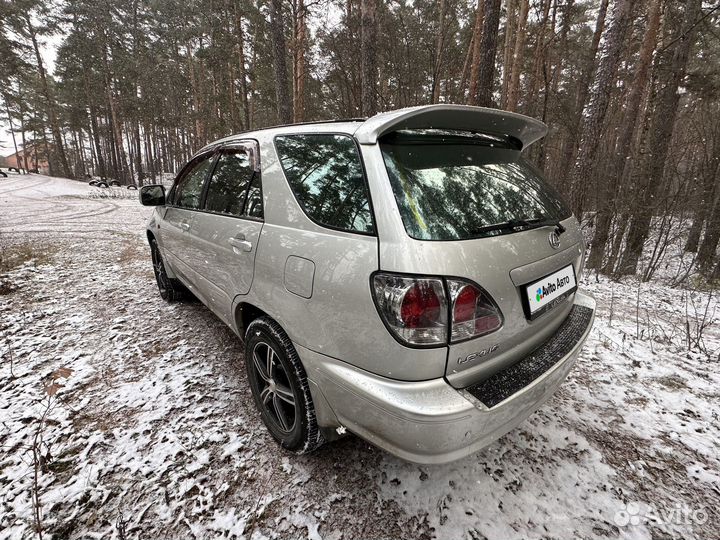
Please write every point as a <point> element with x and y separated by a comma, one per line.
<point>471,207</point>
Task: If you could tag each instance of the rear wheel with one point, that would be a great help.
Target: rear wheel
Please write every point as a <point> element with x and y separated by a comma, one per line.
<point>170,289</point>
<point>280,387</point>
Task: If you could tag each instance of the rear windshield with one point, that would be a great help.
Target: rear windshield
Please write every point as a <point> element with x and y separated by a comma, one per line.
<point>454,187</point>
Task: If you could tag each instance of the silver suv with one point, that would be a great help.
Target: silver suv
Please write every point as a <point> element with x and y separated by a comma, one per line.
<point>409,278</point>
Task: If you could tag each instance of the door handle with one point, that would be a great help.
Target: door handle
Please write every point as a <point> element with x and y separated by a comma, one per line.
<point>239,243</point>
<point>185,226</point>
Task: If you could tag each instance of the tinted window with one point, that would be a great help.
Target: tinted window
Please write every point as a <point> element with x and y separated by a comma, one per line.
<point>190,187</point>
<point>254,204</point>
<point>229,184</point>
<point>448,188</point>
<point>326,176</point>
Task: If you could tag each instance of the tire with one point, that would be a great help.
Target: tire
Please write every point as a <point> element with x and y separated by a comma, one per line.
<point>132,186</point>
<point>171,290</point>
<point>274,388</point>
<point>102,184</point>
<point>114,183</point>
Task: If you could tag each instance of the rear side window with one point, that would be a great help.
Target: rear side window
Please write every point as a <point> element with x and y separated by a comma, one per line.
<point>456,188</point>
<point>229,184</point>
<point>326,176</point>
<point>189,189</point>
<point>254,203</point>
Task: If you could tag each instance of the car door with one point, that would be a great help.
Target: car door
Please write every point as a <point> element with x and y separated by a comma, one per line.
<point>184,202</point>
<point>227,230</point>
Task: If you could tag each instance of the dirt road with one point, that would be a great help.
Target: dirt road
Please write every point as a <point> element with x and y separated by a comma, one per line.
<point>151,431</point>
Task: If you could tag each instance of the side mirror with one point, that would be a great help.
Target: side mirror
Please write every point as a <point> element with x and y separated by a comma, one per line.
<point>153,195</point>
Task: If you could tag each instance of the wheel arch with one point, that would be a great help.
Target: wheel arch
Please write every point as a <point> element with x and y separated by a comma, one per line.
<point>245,313</point>
<point>168,268</point>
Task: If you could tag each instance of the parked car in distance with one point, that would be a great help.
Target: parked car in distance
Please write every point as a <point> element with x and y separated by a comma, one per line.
<point>409,278</point>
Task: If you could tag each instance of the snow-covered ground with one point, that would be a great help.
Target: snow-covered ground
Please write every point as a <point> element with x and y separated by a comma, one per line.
<point>151,431</point>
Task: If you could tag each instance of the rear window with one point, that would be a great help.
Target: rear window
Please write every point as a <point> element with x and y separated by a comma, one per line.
<point>326,176</point>
<point>456,187</point>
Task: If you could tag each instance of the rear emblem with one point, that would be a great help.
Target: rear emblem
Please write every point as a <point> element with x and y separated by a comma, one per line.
<point>554,240</point>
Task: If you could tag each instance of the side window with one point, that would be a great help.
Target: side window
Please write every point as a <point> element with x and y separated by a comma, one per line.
<point>229,184</point>
<point>326,176</point>
<point>254,204</point>
<point>189,190</point>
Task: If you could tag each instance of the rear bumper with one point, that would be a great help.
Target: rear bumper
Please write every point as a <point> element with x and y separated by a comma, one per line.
<point>432,422</point>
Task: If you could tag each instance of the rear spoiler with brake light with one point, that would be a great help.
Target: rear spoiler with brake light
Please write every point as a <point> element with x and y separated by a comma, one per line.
<point>453,117</point>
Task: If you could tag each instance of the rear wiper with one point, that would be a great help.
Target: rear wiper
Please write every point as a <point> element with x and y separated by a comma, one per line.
<point>524,224</point>
<point>537,223</point>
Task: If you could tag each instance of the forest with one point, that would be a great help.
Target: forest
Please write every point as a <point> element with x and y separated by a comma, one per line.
<point>630,90</point>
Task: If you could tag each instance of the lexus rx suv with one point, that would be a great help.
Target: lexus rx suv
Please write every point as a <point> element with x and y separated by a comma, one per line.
<point>409,278</point>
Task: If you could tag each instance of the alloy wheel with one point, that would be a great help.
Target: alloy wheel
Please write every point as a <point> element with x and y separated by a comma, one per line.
<point>276,395</point>
<point>159,268</point>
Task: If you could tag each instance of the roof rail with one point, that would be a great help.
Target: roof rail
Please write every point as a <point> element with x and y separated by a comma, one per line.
<point>214,144</point>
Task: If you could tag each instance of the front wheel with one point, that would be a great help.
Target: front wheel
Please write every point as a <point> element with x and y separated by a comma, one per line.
<point>170,289</point>
<point>280,387</point>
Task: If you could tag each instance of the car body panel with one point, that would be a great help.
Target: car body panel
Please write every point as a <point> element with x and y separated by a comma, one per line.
<point>427,422</point>
<point>226,270</point>
<point>173,238</point>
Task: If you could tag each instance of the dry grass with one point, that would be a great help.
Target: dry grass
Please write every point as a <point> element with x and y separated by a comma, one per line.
<point>16,255</point>
<point>13,256</point>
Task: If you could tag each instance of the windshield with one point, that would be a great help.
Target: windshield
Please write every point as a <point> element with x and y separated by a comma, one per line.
<point>456,188</point>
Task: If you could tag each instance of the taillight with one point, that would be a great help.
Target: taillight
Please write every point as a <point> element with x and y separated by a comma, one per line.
<point>473,311</point>
<point>415,309</point>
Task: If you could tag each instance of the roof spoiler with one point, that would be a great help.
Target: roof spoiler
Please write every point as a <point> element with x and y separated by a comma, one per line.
<point>458,117</point>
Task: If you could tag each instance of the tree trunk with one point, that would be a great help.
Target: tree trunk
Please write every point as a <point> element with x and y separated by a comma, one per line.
<point>241,65</point>
<point>538,59</point>
<point>596,110</point>
<point>282,92</point>
<point>583,90</point>
<point>708,246</point>
<point>475,43</point>
<point>368,55</point>
<point>710,183</point>
<point>671,63</point>
<point>116,123</point>
<point>6,99</point>
<point>510,21</point>
<point>96,139</point>
<point>460,92</point>
<point>488,48</point>
<point>631,114</point>
<point>439,53</point>
<point>517,56</point>
<point>52,107</point>
<point>138,153</point>
<point>299,61</point>
<point>24,143</point>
